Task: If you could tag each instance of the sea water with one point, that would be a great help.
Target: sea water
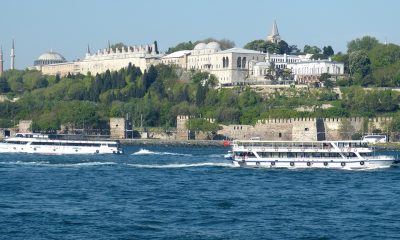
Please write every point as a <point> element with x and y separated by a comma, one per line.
<point>190,193</point>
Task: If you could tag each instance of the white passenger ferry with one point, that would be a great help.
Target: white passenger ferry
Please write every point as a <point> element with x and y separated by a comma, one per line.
<point>43,144</point>
<point>317,154</point>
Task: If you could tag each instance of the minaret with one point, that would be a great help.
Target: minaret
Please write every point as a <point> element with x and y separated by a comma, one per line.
<point>1,60</point>
<point>12,55</point>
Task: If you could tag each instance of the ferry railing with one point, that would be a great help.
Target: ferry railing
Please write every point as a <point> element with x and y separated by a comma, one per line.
<point>300,148</point>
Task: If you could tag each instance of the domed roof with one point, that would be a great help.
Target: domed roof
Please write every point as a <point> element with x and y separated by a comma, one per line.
<point>213,45</point>
<point>52,56</point>
<point>200,46</point>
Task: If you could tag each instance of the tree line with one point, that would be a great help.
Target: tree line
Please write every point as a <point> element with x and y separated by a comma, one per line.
<point>156,96</point>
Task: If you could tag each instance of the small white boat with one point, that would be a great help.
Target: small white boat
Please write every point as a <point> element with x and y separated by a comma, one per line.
<point>43,144</point>
<point>313,154</point>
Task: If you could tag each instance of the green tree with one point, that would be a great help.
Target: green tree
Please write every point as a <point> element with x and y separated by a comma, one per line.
<point>366,43</point>
<point>284,47</point>
<point>4,87</point>
<point>359,64</point>
<point>325,78</point>
<point>181,46</point>
<point>201,124</point>
<point>384,55</point>
<point>328,51</point>
<point>311,49</point>
<point>224,43</point>
<point>118,46</point>
<point>256,45</point>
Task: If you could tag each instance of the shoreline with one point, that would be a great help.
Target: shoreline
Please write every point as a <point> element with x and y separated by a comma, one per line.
<point>177,143</point>
<point>388,146</point>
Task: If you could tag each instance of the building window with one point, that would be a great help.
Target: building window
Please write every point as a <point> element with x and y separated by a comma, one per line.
<point>239,62</point>
<point>244,62</point>
<point>280,135</point>
<point>306,129</point>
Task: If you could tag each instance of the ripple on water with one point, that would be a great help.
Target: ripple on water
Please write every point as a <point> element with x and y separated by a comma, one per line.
<point>190,193</point>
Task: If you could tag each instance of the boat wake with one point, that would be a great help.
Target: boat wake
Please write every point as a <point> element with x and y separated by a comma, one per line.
<point>181,165</point>
<point>148,152</point>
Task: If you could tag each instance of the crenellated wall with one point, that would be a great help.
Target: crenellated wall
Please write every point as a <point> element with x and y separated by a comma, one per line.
<point>296,129</point>
<point>336,128</point>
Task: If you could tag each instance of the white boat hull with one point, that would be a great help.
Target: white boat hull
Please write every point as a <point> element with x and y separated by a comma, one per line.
<point>57,150</point>
<point>351,164</point>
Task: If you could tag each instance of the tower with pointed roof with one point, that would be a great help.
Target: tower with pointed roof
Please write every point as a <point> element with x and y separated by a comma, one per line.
<point>1,60</point>
<point>274,36</point>
<point>12,56</point>
<point>88,50</point>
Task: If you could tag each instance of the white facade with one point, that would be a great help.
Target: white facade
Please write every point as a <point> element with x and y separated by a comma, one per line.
<point>281,60</point>
<point>231,66</point>
<point>310,71</point>
<point>107,59</point>
<point>178,58</point>
<point>113,60</point>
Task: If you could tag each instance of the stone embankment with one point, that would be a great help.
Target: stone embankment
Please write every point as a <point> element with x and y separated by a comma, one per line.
<point>389,146</point>
<point>160,142</point>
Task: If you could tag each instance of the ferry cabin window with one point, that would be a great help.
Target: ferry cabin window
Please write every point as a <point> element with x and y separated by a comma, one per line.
<point>298,155</point>
<point>366,154</point>
<point>350,155</point>
<point>16,142</point>
<point>264,154</point>
<point>66,144</point>
<point>245,154</point>
<point>112,145</point>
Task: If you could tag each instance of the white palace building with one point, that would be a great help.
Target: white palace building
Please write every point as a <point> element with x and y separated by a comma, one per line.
<point>235,66</point>
<point>143,56</point>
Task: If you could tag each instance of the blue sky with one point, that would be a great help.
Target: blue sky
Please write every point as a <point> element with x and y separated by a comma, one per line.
<point>67,26</point>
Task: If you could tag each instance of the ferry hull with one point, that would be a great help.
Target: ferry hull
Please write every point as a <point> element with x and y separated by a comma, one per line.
<point>57,150</point>
<point>363,164</point>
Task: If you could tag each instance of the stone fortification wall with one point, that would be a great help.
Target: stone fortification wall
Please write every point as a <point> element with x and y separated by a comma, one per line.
<point>296,129</point>
<point>332,128</point>
<point>238,131</point>
<point>337,128</point>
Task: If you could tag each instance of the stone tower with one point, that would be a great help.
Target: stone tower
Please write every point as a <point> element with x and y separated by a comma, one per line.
<point>117,128</point>
<point>1,60</point>
<point>182,132</point>
<point>12,55</point>
<point>274,36</point>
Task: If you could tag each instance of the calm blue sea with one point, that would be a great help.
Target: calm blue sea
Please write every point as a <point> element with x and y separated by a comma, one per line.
<point>190,193</point>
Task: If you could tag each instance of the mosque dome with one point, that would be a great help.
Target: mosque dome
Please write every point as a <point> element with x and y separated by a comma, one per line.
<point>49,58</point>
<point>200,46</point>
<point>213,45</point>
